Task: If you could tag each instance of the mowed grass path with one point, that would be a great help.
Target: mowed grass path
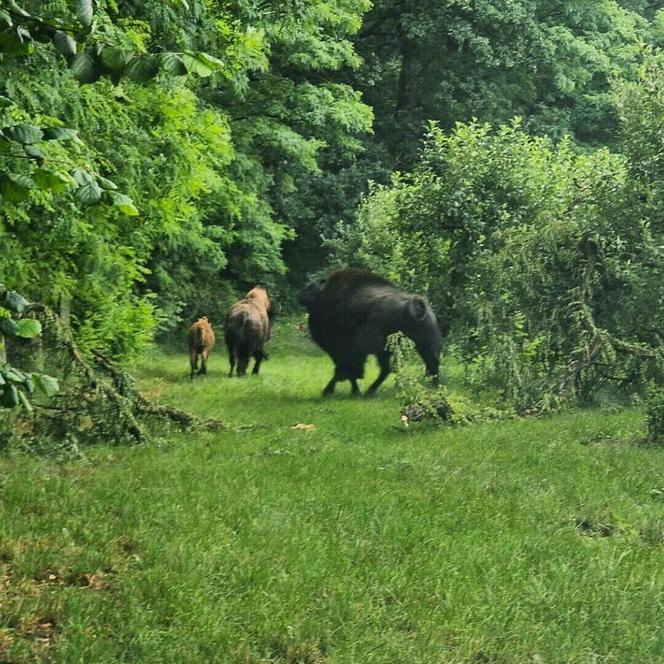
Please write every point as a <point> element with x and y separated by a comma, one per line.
<point>352,541</point>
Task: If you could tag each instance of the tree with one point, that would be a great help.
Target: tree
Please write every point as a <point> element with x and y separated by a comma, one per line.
<point>548,62</point>
<point>195,118</point>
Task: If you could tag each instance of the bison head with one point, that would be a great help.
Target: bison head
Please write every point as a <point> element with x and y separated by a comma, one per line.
<point>310,293</point>
<point>421,326</point>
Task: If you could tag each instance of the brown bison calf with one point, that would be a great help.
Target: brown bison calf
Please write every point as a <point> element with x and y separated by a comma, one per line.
<point>201,340</point>
<point>248,327</point>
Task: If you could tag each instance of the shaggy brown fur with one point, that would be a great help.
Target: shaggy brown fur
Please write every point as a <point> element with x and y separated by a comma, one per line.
<point>248,329</point>
<point>201,340</point>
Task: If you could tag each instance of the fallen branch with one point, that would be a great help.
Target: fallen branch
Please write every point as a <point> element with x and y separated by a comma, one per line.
<point>115,407</point>
<point>600,340</point>
<point>124,385</point>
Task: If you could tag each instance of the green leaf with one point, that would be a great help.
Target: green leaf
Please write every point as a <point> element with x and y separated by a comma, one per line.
<point>195,65</point>
<point>34,152</point>
<point>114,57</point>
<point>46,384</point>
<point>64,43</point>
<point>9,397</point>
<point>14,188</point>
<point>124,203</point>
<point>106,184</point>
<point>82,177</point>
<point>23,133</point>
<point>13,375</point>
<point>142,68</point>
<point>89,193</point>
<point>8,327</point>
<point>60,134</point>
<point>6,18</point>
<point>5,102</point>
<point>13,42</point>
<point>52,180</point>
<point>28,328</point>
<point>83,10</point>
<point>86,67</point>
<point>172,64</point>
<point>213,63</point>
<point>24,400</point>
<point>14,302</point>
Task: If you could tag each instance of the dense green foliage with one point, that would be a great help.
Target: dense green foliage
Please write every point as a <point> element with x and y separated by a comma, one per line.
<point>550,62</point>
<point>194,166</point>
<point>16,385</point>
<point>546,260</point>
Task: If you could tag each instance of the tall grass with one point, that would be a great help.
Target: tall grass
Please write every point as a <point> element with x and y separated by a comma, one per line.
<point>351,540</point>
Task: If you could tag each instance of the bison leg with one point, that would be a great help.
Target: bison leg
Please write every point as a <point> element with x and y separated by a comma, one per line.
<point>341,374</point>
<point>204,358</point>
<point>242,363</point>
<point>231,358</point>
<point>329,388</point>
<point>193,363</point>
<point>384,363</point>
<point>258,358</point>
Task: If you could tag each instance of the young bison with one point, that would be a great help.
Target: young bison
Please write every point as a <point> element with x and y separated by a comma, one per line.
<point>352,314</point>
<point>201,340</point>
<point>248,327</point>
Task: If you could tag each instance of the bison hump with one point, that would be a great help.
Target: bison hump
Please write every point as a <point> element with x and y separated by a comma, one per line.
<point>343,283</point>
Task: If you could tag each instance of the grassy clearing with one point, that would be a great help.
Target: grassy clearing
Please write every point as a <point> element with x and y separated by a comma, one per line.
<point>353,541</point>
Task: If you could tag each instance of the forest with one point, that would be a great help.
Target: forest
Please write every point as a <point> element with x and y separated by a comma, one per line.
<point>504,159</point>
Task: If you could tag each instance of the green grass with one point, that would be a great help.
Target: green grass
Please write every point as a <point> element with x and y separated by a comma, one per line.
<point>356,541</point>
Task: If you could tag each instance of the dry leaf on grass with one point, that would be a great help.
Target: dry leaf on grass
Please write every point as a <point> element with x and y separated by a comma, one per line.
<point>303,427</point>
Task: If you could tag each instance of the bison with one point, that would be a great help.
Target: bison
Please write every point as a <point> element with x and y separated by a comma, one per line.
<point>201,340</point>
<point>248,328</point>
<point>352,313</point>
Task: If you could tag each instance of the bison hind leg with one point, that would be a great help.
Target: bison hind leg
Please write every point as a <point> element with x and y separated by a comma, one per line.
<point>242,363</point>
<point>384,363</point>
<point>193,364</point>
<point>329,388</point>
<point>341,373</point>
<point>203,369</point>
<point>258,358</point>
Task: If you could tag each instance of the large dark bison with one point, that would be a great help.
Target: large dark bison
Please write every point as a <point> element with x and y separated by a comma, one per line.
<point>247,330</point>
<point>352,314</point>
<point>201,341</point>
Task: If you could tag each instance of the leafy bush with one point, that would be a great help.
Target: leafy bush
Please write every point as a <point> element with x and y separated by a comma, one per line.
<point>16,384</point>
<point>421,401</point>
<point>547,292</point>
